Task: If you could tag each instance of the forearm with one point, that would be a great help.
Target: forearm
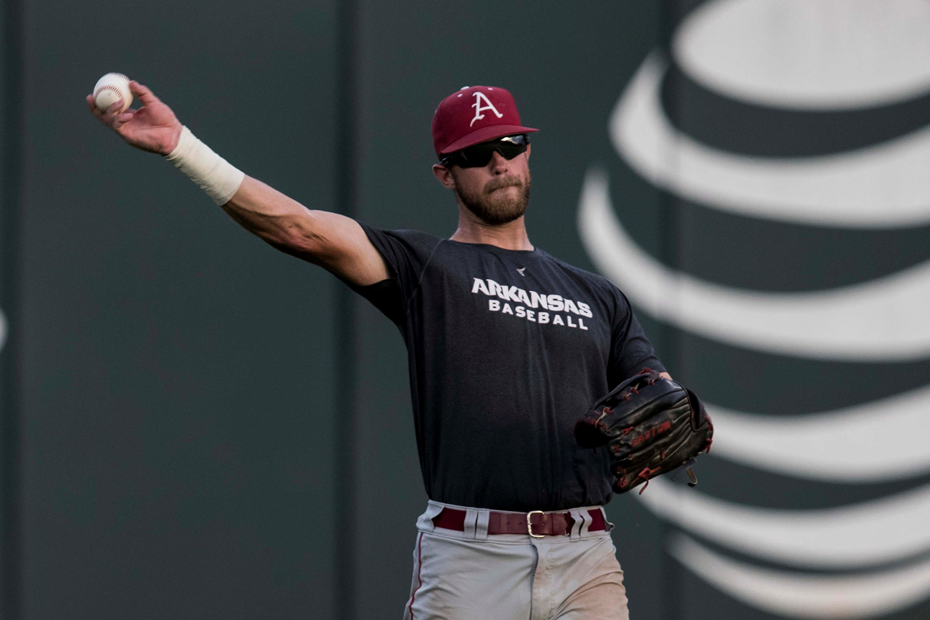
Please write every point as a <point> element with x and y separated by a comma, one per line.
<point>278,220</point>
<point>259,208</point>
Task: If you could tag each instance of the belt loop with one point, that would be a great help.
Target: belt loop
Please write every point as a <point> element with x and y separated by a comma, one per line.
<point>425,522</point>
<point>481,525</point>
<point>586,523</point>
<point>471,521</point>
<point>577,522</point>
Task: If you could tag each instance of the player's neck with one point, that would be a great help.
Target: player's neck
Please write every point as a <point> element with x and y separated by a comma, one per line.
<point>509,236</point>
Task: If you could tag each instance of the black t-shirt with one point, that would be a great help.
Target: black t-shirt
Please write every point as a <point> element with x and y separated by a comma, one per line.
<point>507,349</point>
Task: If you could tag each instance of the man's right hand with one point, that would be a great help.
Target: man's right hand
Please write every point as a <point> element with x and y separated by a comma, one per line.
<point>153,127</point>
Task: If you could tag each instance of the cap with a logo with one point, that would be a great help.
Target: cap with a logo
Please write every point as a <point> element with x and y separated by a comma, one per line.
<point>472,115</point>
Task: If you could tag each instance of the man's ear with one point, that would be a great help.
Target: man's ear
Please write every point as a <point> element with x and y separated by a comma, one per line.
<point>444,175</point>
<point>529,147</point>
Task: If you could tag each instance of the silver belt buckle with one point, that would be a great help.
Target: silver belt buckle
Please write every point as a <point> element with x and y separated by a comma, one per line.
<point>529,522</point>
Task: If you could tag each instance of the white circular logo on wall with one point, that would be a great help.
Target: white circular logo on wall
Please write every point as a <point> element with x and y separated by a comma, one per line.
<point>794,55</point>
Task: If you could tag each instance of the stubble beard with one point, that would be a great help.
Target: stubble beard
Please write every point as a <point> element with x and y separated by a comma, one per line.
<point>496,210</point>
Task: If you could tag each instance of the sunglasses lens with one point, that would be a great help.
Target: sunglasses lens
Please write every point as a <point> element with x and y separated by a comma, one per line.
<point>479,155</point>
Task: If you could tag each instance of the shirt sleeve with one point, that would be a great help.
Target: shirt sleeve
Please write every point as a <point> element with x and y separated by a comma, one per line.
<point>406,253</point>
<point>630,349</point>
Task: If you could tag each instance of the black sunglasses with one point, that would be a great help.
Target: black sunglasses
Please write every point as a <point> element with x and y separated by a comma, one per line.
<point>479,155</point>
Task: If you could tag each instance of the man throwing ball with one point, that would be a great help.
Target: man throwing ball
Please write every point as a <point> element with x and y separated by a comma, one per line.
<point>508,347</point>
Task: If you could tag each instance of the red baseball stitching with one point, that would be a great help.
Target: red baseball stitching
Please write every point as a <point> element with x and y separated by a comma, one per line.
<point>114,89</point>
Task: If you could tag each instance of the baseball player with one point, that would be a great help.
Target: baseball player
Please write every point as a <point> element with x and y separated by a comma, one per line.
<point>508,346</point>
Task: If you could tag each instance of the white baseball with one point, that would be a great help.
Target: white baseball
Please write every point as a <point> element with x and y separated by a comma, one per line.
<point>111,88</point>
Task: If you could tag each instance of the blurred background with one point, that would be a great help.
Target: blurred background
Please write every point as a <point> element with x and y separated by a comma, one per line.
<point>194,425</point>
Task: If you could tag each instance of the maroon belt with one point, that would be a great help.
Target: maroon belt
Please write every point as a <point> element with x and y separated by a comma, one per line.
<point>540,523</point>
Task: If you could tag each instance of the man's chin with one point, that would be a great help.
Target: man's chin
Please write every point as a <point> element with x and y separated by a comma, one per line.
<point>497,215</point>
<point>498,206</point>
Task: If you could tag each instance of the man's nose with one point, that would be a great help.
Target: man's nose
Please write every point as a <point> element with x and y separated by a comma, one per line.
<point>499,163</point>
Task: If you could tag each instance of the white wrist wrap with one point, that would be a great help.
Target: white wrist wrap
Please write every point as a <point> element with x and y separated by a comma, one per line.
<point>212,173</point>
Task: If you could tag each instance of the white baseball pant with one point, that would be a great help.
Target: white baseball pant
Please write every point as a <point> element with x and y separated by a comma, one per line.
<point>471,575</point>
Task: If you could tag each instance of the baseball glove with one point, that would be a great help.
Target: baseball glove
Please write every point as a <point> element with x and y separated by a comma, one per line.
<point>651,425</point>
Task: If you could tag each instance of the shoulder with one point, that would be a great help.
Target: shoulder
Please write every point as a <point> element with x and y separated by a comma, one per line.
<point>409,237</point>
<point>408,242</point>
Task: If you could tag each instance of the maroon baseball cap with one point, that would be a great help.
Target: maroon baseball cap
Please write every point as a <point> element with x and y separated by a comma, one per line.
<point>475,114</point>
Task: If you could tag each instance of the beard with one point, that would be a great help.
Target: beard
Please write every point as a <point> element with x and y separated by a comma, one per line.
<point>497,209</point>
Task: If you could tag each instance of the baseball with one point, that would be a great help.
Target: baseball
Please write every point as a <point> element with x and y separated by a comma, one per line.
<point>111,88</point>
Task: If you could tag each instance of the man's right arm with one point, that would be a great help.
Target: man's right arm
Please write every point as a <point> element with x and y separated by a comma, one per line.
<point>330,240</point>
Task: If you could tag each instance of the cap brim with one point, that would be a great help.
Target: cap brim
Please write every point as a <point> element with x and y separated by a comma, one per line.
<point>484,134</point>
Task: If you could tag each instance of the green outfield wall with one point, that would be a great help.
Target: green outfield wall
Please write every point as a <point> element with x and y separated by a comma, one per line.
<point>195,425</point>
